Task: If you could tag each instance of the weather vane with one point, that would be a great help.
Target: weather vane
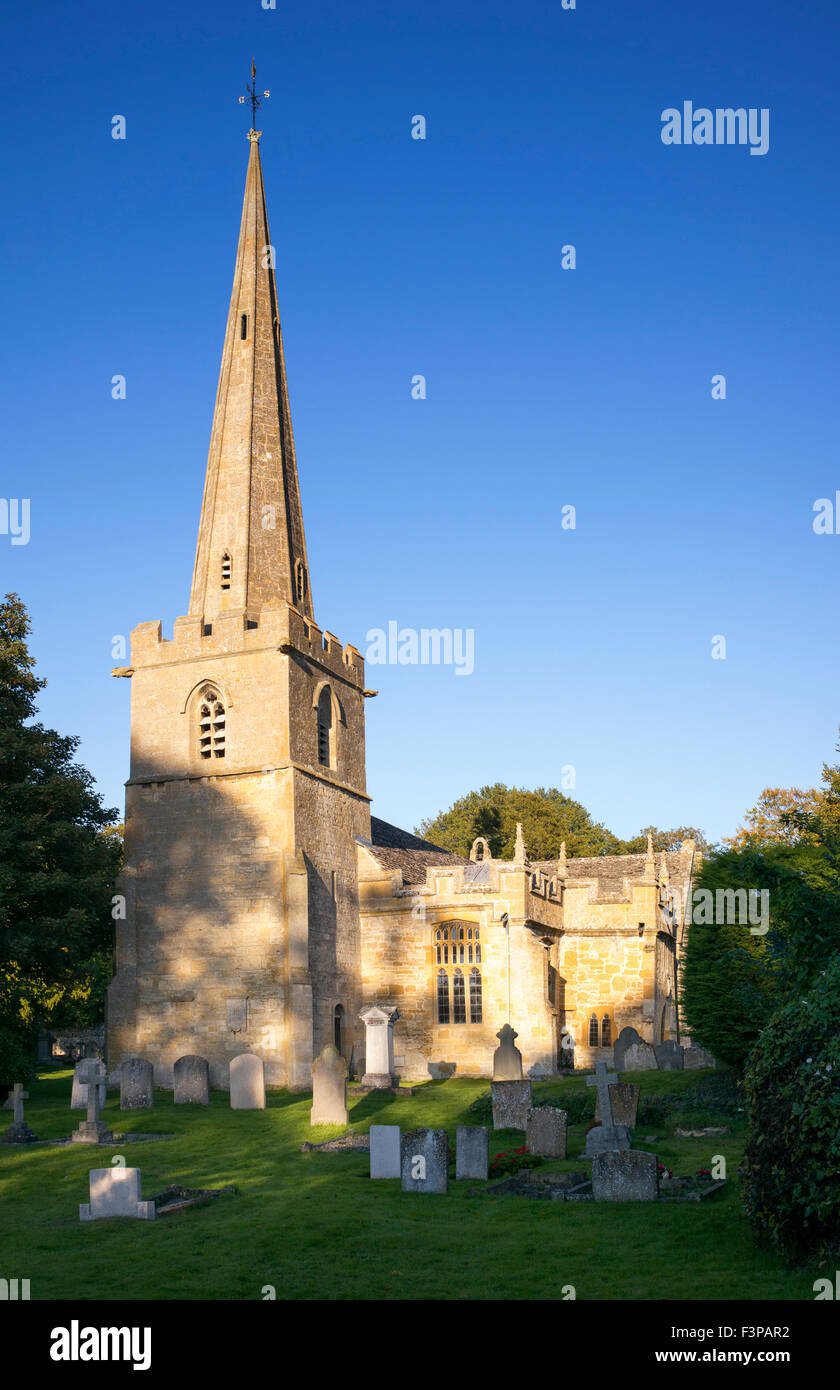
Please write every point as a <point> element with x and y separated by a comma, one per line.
<point>252,96</point>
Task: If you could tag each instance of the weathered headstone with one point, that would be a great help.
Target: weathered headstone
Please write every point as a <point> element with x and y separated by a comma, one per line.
<point>507,1059</point>
<point>115,1192</point>
<point>625,1103</point>
<point>379,1047</point>
<point>639,1056</point>
<point>18,1131</point>
<point>607,1135</point>
<point>16,1094</point>
<point>511,1102</point>
<point>137,1082</point>
<point>472,1152</point>
<point>626,1038</point>
<point>625,1177</point>
<point>92,1130</point>
<point>424,1155</point>
<point>545,1132</point>
<point>78,1098</point>
<point>329,1088</point>
<point>385,1151</point>
<point>669,1056</point>
<point>441,1071</point>
<point>247,1082</point>
<point>191,1081</point>
<point>694,1057</point>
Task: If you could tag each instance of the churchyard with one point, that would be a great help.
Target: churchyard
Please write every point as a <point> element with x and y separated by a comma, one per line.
<point>314,1225</point>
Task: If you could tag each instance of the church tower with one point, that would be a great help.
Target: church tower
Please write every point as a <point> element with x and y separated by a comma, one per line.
<point>247,781</point>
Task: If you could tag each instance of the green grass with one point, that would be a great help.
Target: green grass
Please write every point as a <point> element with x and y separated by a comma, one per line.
<point>315,1227</point>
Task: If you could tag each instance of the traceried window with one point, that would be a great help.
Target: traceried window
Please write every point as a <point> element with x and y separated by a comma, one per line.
<point>442,997</point>
<point>475,996</point>
<point>226,570</point>
<point>605,1031</point>
<point>325,727</point>
<point>211,724</point>
<point>593,1031</point>
<point>457,944</point>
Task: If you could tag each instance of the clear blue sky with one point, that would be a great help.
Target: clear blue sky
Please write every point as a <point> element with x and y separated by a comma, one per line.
<point>395,256</point>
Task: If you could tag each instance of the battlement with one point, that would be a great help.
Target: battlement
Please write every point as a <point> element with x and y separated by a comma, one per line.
<point>279,625</point>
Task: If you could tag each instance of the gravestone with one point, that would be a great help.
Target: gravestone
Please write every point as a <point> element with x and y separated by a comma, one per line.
<point>385,1151</point>
<point>115,1192</point>
<point>639,1056</point>
<point>247,1082</point>
<point>441,1071</point>
<point>545,1132</point>
<point>137,1081</point>
<point>669,1056</point>
<point>472,1152</point>
<point>507,1059</point>
<point>607,1135</point>
<point>511,1102</point>
<point>625,1177</point>
<point>329,1088</point>
<point>191,1081</point>
<point>625,1103</point>
<point>626,1038</point>
<point>92,1130</point>
<point>424,1159</point>
<point>18,1131</point>
<point>379,1047</point>
<point>78,1098</point>
<point>694,1057</point>
<point>15,1095</point>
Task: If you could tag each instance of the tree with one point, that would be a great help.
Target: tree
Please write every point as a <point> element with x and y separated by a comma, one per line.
<point>57,865</point>
<point>548,818</point>
<point>775,819</point>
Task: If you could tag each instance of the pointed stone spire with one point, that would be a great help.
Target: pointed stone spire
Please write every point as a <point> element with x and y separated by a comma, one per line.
<point>520,854</point>
<point>562,868</point>
<point>251,547</point>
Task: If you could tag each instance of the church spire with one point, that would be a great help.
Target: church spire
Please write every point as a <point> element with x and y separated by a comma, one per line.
<point>251,546</point>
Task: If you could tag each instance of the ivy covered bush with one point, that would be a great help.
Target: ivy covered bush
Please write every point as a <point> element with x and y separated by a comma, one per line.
<point>791,1169</point>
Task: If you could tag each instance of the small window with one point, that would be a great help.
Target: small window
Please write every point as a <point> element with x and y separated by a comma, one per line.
<point>325,727</point>
<point>442,997</point>
<point>300,582</point>
<point>226,568</point>
<point>338,1021</point>
<point>605,1031</point>
<point>211,724</point>
<point>593,1031</point>
<point>459,998</point>
<point>475,996</point>
<point>243,327</point>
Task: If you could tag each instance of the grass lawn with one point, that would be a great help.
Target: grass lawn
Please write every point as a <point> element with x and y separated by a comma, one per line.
<point>315,1227</point>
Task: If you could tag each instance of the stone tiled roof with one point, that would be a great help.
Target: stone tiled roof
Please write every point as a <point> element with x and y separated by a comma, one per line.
<point>612,866</point>
<point>393,849</point>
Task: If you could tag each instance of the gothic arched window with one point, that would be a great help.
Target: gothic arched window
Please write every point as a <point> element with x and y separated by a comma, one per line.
<point>475,996</point>
<point>442,997</point>
<point>593,1031</point>
<point>325,727</point>
<point>211,724</point>
<point>605,1031</point>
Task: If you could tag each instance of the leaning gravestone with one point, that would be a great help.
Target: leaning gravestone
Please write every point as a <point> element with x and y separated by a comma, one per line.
<point>607,1135</point>
<point>639,1056</point>
<point>424,1156</point>
<point>472,1152</point>
<point>669,1056</point>
<point>626,1038</point>
<point>329,1088</point>
<point>625,1103</point>
<point>442,1071</point>
<point>247,1082</point>
<point>115,1192</point>
<point>545,1132</point>
<point>385,1151</point>
<point>511,1102</point>
<point>137,1082</point>
<point>191,1083</point>
<point>507,1059</point>
<point>78,1099</point>
<point>694,1057</point>
<point>625,1177</point>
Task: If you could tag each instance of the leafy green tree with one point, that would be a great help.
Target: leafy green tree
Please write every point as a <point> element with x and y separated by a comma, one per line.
<point>57,866</point>
<point>548,818</point>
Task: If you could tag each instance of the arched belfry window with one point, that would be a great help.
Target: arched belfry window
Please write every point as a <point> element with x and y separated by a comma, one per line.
<point>456,944</point>
<point>325,727</point>
<point>226,570</point>
<point>211,723</point>
<point>593,1031</point>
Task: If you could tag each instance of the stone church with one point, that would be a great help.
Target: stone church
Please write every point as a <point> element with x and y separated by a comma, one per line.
<point>265,906</point>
